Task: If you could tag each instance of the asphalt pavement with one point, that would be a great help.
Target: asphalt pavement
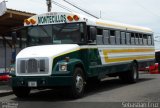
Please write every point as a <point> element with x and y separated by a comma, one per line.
<point>111,93</point>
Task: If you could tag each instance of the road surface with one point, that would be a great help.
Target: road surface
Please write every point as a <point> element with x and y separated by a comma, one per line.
<point>111,91</point>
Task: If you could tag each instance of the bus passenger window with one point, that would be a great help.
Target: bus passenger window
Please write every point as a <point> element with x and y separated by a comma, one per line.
<point>137,39</point>
<point>128,38</point>
<point>106,37</point>
<point>99,31</point>
<point>112,37</point>
<point>99,40</point>
<point>145,39</point>
<point>132,39</point>
<point>140,39</point>
<point>149,40</point>
<point>152,38</point>
<point>99,37</point>
<point>118,37</point>
<point>123,38</point>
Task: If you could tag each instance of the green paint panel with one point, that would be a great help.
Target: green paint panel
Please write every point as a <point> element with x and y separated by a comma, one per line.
<point>88,58</point>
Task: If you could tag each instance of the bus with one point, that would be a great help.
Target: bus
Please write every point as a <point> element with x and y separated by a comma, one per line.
<point>67,49</point>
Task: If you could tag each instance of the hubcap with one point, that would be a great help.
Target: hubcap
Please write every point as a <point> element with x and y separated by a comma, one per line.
<point>79,83</point>
<point>135,73</point>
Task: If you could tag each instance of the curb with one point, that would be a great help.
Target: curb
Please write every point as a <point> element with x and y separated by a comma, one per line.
<point>4,83</point>
<point>5,92</point>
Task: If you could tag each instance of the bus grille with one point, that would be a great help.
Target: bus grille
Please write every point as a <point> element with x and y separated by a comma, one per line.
<point>33,66</point>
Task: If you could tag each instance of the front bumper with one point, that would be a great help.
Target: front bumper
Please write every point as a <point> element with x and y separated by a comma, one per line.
<point>42,81</point>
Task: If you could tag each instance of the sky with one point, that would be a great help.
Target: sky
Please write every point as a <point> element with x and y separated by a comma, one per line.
<point>136,12</point>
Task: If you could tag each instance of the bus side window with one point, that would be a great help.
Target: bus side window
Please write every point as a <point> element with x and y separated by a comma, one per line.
<point>91,34</point>
<point>136,38</point>
<point>152,39</point>
<point>99,37</point>
<point>106,37</point>
<point>132,39</point>
<point>149,40</point>
<point>118,37</point>
<point>140,39</point>
<point>112,37</point>
<point>145,39</point>
<point>128,38</point>
<point>123,38</point>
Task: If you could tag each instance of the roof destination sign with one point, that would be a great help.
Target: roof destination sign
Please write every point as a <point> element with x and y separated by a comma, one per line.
<point>50,19</point>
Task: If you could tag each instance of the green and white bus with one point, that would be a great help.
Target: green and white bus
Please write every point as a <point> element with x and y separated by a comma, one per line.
<point>68,49</point>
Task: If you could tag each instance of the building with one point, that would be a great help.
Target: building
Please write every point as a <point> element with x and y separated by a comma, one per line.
<point>9,19</point>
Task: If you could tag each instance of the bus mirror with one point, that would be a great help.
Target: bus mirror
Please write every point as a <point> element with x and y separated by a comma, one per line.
<point>93,33</point>
<point>14,37</point>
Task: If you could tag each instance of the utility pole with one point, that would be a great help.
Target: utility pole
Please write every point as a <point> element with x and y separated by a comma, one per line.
<point>49,5</point>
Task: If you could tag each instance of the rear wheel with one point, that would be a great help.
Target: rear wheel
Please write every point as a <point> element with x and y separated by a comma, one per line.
<point>21,92</point>
<point>132,75</point>
<point>77,89</point>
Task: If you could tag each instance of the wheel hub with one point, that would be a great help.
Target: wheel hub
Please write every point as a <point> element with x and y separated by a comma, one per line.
<point>79,83</point>
<point>135,73</point>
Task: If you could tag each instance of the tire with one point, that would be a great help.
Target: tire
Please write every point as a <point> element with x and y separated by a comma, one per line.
<point>21,92</point>
<point>77,88</point>
<point>132,75</point>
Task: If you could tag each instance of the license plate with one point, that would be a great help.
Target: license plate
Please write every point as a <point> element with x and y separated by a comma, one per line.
<point>32,84</point>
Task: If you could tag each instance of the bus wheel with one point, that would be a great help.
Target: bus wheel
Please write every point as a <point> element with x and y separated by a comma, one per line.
<point>21,92</point>
<point>132,75</point>
<point>77,89</point>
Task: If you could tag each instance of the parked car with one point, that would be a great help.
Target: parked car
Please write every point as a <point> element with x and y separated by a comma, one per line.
<point>5,75</point>
<point>153,69</point>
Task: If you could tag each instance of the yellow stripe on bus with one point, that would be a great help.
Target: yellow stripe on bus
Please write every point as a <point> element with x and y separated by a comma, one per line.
<point>127,59</point>
<point>110,60</point>
<point>127,50</point>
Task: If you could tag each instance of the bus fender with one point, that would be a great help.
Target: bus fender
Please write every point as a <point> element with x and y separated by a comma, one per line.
<point>71,64</point>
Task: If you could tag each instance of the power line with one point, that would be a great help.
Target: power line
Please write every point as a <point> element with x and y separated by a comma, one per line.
<point>80,9</point>
<point>146,9</point>
<point>61,6</point>
<point>90,7</point>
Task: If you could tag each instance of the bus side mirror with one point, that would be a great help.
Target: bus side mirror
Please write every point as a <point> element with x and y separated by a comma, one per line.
<point>93,33</point>
<point>14,37</point>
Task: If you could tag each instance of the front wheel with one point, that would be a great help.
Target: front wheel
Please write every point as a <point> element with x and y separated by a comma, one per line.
<point>77,89</point>
<point>21,92</point>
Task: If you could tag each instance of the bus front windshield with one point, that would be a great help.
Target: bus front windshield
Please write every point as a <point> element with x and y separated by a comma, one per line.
<point>72,33</point>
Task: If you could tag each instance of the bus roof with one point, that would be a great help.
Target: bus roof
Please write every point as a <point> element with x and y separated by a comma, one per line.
<point>70,17</point>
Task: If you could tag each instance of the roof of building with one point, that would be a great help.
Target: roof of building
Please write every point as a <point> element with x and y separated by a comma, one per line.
<point>11,19</point>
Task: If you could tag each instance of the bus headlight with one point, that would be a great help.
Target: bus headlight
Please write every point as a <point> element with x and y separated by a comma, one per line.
<point>63,67</point>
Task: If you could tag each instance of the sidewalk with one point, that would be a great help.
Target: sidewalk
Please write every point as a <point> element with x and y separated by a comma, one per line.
<point>5,89</point>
